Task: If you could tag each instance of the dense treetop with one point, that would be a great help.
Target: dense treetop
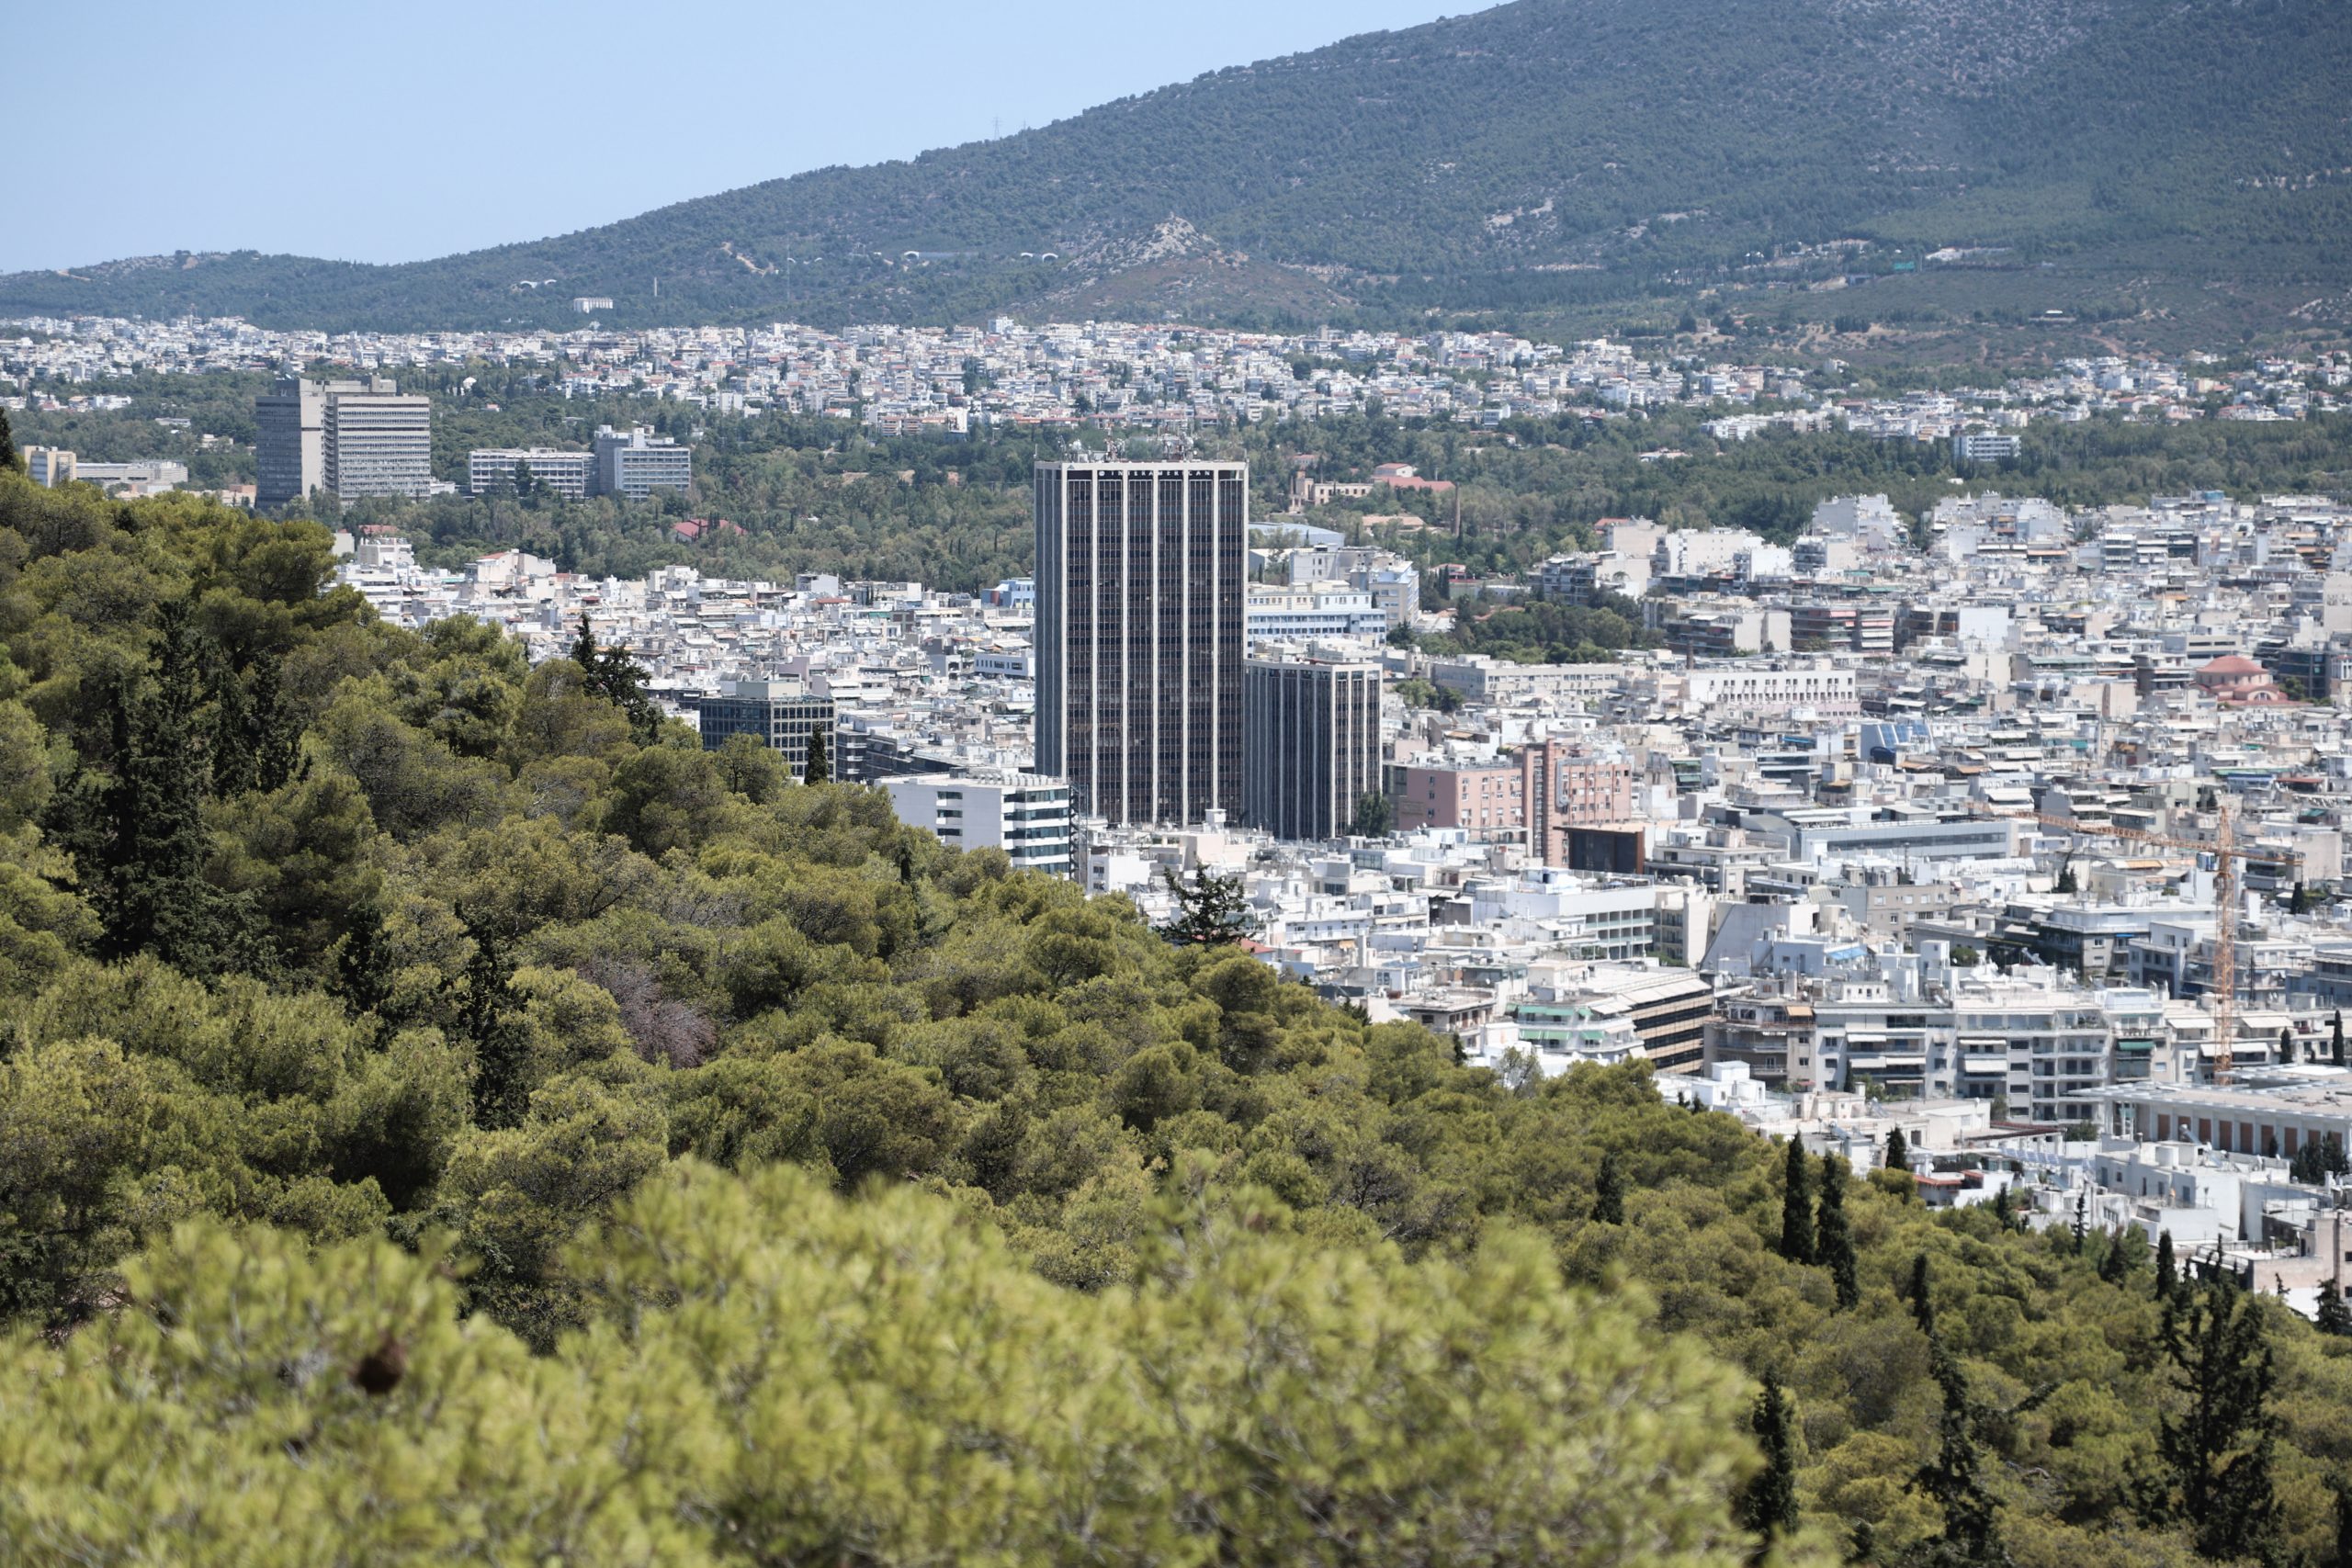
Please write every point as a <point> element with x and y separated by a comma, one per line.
<point>437,1119</point>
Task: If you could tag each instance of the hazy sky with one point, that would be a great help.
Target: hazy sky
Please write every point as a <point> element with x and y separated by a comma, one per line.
<point>411,128</point>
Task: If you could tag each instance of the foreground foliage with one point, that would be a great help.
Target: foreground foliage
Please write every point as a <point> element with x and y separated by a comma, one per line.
<point>772,1374</point>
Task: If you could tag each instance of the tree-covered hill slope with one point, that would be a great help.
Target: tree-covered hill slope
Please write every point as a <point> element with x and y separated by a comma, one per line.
<point>1542,149</point>
<point>447,1114</point>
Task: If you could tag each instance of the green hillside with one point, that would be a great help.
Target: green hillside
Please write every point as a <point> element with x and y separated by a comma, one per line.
<point>446,1115</point>
<point>1542,152</point>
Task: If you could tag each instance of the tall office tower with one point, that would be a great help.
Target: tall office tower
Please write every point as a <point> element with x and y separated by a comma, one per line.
<point>379,440</point>
<point>1140,570</point>
<point>1310,741</point>
<point>289,442</point>
<point>353,438</point>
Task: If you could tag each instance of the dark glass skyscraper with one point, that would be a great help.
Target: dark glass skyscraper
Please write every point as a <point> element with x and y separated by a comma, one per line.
<point>1311,751</point>
<point>1140,570</point>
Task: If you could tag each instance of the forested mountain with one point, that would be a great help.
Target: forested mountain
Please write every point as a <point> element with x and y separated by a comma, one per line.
<point>447,1115</point>
<point>1541,152</point>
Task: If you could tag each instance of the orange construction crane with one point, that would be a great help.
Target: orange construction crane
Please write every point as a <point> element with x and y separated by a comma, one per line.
<point>2222,847</point>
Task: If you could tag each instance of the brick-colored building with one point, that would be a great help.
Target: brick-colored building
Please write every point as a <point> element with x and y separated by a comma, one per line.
<point>1533,797</point>
<point>1487,799</point>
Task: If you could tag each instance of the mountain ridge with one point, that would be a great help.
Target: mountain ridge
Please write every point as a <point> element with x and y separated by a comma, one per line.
<point>1539,152</point>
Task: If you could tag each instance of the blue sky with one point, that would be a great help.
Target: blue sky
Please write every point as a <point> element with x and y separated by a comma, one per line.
<point>414,128</point>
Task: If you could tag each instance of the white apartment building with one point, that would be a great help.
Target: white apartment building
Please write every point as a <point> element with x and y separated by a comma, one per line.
<point>1311,613</point>
<point>1026,814</point>
<point>1481,678</point>
<point>1758,690</point>
<point>379,440</point>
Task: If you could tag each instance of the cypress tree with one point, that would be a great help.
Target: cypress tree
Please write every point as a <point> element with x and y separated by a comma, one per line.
<point>2335,1038</point>
<point>139,838</point>
<point>2002,1209</point>
<point>1922,1306</point>
<point>2114,1265</point>
<point>1972,1535</point>
<point>2335,1315</point>
<point>2166,1276</point>
<point>233,760</point>
<point>9,461</point>
<point>1609,1192</point>
<point>1796,1206</point>
<point>1899,1150</point>
<point>502,1089</point>
<point>1768,1505</point>
<point>817,770</point>
<point>617,678</point>
<point>2082,1227</point>
<point>2218,1450</point>
<point>363,963</point>
<point>273,730</point>
<point>1833,1240</point>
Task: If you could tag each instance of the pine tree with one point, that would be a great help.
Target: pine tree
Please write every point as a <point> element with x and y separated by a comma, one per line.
<point>818,768</point>
<point>1922,1306</point>
<point>2334,1313</point>
<point>1833,1240</point>
<point>1899,1150</point>
<point>1768,1505</point>
<point>2167,1277</point>
<point>1609,1192</point>
<point>1375,814</point>
<point>1209,909</point>
<point>1796,1206</point>
<point>2218,1450</point>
